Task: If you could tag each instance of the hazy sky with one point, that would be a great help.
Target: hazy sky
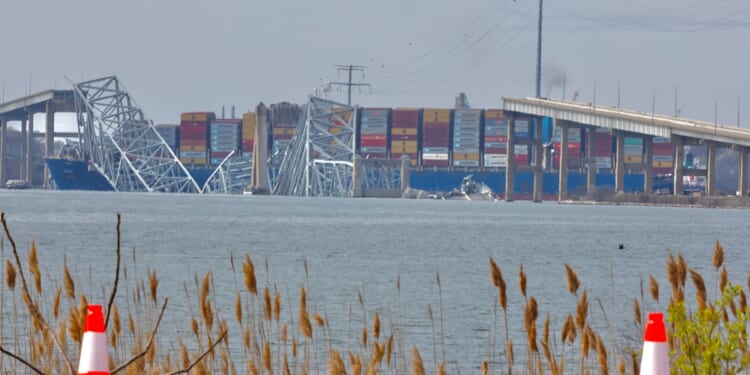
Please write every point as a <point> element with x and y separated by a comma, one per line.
<point>177,56</point>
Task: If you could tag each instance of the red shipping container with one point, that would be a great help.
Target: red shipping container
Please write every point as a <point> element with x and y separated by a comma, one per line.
<point>436,163</point>
<point>406,115</point>
<point>495,150</point>
<point>404,138</point>
<point>373,137</point>
<point>373,143</point>
<point>405,125</point>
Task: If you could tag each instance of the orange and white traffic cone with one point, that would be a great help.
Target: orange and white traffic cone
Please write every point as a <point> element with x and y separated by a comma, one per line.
<point>655,358</point>
<point>94,359</point>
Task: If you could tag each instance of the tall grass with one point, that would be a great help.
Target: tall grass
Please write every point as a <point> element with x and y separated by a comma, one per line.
<point>268,333</point>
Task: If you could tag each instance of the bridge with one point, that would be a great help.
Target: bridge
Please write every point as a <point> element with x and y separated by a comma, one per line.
<point>23,110</point>
<point>622,123</point>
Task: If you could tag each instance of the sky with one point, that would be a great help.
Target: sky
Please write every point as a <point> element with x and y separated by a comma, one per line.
<point>178,56</point>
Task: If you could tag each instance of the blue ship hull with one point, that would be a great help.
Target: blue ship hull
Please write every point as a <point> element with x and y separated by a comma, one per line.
<point>76,175</point>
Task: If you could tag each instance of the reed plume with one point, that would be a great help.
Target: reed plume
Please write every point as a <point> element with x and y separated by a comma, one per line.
<point>673,272</point>
<point>723,279</point>
<point>573,282</point>
<point>364,337</point>
<point>238,308</point>
<point>304,319</point>
<point>248,269</point>
<point>267,362</point>
<point>637,312</point>
<point>653,287</point>
<point>700,289</point>
<point>335,364</point>
<point>602,356</point>
<point>522,280</point>
<point>485,367</point>
<point>277,306</point>
<point>10,275</point>
<point>286,370</point>
<point>70,286</point>
<point>582,310</point>
<point>376,326</point>
<point>153,284</point>
<point>268,308</point>
<point>441,369</point>
<point>743,301</point>
<point>389,351</point>
<point>34,268</point>
<point>621,366</point>
<point>718,257</point>
<point>319,321</point>
<point>56,303</point>
<point>417,367</point>
<point>682,268</point>
<point>356,363</point>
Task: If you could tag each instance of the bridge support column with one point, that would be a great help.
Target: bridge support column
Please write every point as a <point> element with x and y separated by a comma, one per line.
<point>620,163</point>
<point>357,191</point>
<point>591,161</point>
<point>510,165</point>
<point>742,183</point>
<point>405,169</point>
<point>3,131</point>
<point>648,170</point>
<point>563,181</point>
<point>22,155</point>
<point>29,150</point>
<point>711,169</point>
<point>538,150</point>
<point>679,158</point>
<point>49,139</point>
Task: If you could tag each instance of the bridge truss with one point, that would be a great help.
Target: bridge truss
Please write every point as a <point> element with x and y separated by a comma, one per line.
<point>318,161</point>
<point>125,147</point>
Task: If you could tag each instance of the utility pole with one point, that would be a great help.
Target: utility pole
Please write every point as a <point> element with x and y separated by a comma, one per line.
<point>539,53</point>
<point>349,84</point>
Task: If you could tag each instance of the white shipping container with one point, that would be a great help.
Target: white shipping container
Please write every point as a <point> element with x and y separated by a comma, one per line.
<point>435,156</point>
<point>465,163</point>
<point>495,160</point>
<point>604,162</point>
<point>520,149</point>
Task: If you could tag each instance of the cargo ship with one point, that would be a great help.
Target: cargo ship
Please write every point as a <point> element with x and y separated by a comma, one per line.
<point>443,146</point>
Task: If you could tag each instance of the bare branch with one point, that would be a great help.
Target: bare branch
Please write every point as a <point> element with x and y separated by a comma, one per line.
<point>117,275</point>
<point>32,306</point>
<point>200,358</point>
<point>19,359</point>
<point>150,341</point>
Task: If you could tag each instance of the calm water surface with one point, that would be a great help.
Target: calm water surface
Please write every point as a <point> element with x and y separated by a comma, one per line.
<point>367,245</point>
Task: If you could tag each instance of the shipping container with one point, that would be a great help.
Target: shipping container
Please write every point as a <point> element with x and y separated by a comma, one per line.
<point>374,132</point>
<point>197,116</point>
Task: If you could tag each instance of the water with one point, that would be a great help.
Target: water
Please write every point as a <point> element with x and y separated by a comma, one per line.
<point>367,245</point>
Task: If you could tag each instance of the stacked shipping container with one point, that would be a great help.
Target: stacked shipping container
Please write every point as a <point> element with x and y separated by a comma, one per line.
<point>170,133</point>
<point>225,139</point>
<point>574,148</point>
<point>663,155</point>
<point>373,133</point>
<point>284,118</point>
<point>405,134</point>
<point>633,150</point>
<point>522,133</point>
<point>436,133</point>
<point>194,137</point>
<point>602,147</point>
<point>495,139</point>
<point>467,131</point>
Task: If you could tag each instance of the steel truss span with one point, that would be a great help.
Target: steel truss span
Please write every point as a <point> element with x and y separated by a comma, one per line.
<point>123,145</point>
<point>318,161</point>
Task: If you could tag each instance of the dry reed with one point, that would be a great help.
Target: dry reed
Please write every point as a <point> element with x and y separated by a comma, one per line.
<point>573,282</point>
<point>522,280</point>
<point>417,367</point>
<point>653,287</point>
<point>335,364</point>
<point>718,256</point>
<point>248,269</point>
<point>700,289</point>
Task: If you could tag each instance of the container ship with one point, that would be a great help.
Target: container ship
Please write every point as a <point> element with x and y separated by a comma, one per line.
<point>443,146</point>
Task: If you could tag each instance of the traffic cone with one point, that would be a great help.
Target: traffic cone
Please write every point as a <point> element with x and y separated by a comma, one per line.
<point>94,359</point>
<point>655,358</point>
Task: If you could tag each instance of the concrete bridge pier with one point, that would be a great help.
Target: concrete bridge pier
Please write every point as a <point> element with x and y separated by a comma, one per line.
<point>679,158</point>
<point>648,163</point>
<point>563,181</point>
<point>742,183</point>
<point>24,152</point>
<point>357,177</point>
<point>538,150</point>
<point>29,147</point>
<point>510,165</point>
<point>620,162</point>
<point>49,139</point>
<point>591,160</point>
<point>711,169</point>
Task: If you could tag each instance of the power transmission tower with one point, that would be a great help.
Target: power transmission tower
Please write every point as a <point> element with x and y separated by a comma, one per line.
<point>349,84</point>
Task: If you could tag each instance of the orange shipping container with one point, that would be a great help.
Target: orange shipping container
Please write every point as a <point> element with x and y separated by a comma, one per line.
<point>465,156</point>
<point>404,131</point>
<point>436,115</point>
<point>198,116</point>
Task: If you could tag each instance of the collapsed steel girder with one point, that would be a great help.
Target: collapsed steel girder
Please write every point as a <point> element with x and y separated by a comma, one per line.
<point>318,161</point>
<point>123,145</point>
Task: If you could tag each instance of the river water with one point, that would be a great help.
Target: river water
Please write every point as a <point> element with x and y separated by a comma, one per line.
<point>367,246</point>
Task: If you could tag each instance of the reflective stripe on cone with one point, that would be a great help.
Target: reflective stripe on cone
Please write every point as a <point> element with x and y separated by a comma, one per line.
<point>655,357</point>
<point>94,359</point>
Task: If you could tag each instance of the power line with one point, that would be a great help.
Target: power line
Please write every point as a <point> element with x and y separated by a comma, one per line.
<point>349,84</point>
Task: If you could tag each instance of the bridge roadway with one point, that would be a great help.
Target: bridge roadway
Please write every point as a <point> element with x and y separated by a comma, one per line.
<point>23,110</point>
<point>622,123</point>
